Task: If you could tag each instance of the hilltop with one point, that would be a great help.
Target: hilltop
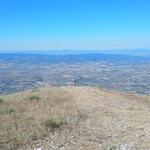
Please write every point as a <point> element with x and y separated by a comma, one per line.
<point>73,118</point>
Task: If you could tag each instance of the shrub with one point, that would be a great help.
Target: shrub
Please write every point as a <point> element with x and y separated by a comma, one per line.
<point>34,97</point>
<point>10,111</point>
<point>1,100</point>
<point>53,123</point>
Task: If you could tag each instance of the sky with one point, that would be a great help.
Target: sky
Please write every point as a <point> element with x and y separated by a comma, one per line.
<point>74,24</point>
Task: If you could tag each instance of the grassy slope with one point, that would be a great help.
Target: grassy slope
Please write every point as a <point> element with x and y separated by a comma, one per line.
<point>74,118</point>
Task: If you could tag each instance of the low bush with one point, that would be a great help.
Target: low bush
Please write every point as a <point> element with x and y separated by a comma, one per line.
<point>10,111</point>
<point>1,100</point>
<point>53,123</point>
<point>34,97</point>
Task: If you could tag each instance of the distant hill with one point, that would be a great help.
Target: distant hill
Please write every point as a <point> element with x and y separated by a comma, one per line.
<point>131,52</point>
<point>70,58</point>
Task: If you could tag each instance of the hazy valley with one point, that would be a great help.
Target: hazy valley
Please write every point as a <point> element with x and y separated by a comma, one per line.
<point>118,72</point>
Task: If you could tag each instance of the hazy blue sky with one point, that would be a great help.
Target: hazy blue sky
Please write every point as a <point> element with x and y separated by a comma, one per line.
<point>74,24</point>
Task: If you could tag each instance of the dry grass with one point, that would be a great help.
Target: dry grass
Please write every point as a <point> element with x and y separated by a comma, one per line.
<point>74,118</point>
<point>26,117</point>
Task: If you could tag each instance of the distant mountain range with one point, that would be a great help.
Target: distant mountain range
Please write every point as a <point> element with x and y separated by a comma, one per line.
<point>132,52</point>
<point>44,58</point>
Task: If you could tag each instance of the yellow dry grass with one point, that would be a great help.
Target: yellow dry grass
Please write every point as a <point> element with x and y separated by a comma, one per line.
<point>90,118</point>
<point>23,116</point>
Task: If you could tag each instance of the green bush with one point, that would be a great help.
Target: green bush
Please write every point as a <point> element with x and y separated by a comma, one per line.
<point>34,97</point>
<point>1,100</point>
<point>10,111</point>
<point>53,123</point>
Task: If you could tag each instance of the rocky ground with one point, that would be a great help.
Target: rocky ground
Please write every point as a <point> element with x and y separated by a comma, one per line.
<point>96,119</point>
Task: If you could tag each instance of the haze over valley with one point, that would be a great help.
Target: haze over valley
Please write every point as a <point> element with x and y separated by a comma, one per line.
<point>111,71</point>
